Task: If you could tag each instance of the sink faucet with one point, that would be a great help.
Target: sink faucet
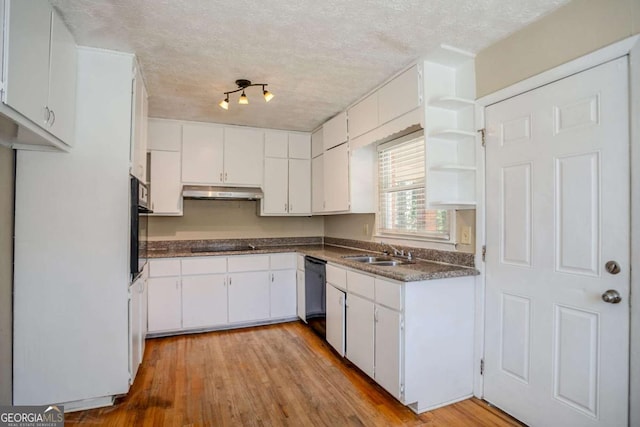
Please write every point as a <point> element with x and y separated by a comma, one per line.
<point>252,247</point>
<point>398,253</point>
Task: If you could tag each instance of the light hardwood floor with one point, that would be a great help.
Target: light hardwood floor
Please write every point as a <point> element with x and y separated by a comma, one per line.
<point>278,375</point>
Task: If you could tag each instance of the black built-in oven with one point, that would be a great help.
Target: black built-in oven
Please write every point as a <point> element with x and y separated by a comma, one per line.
<point>139,227</point>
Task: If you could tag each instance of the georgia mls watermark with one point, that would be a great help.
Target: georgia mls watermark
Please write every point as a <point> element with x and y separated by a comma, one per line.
<point>32,416</point>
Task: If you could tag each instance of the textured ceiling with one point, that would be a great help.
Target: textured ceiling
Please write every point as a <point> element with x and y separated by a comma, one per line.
<point>318,56</point>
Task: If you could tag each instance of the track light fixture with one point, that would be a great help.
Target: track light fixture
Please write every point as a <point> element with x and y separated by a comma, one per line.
<point>242,85</point>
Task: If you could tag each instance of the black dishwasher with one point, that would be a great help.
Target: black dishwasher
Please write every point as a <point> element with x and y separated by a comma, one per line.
<point>314,289</point>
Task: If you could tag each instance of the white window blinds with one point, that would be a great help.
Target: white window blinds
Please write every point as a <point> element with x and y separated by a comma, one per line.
<point>402,210</point>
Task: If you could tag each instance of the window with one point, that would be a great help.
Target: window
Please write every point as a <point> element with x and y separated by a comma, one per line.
<point>402,205</point>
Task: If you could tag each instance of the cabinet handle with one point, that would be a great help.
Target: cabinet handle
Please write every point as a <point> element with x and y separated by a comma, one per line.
<point>221,177</point>
<point>290,208</point>
<point>53,118</point>
<point>272,277</point>
<point>46,114</point>
<point>375,315</point>
<point>285,207</point>
<point>229,281</point>
<point>225,177</point>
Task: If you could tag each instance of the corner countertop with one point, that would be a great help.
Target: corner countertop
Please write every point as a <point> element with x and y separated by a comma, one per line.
<point>418,271</point>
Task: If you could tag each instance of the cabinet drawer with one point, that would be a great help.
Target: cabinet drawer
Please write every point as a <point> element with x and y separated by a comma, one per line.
<point>248,263</point>
<point>164,267</point>
<point>208,265</point>
<point>336,276</point>
<point>388,293</point>
<point>360,284</point>
<point>283,261</point>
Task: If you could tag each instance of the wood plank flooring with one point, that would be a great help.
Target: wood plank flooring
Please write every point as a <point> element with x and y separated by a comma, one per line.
<point>278,375</point>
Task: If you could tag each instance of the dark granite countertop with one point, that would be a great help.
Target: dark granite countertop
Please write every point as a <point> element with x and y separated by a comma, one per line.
<point>418,271</point>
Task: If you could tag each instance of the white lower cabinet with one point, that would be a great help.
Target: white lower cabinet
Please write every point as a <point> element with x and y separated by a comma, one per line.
<point>204,300</point>
<point>300,290</point>
<point>415,339</point>
<point>212,292</point>
<point>165,304</point>
<point>388,349</point>
<point>360,333</point>
<point>336,318</point>
<point>283,294</point>
<point>248,296</point>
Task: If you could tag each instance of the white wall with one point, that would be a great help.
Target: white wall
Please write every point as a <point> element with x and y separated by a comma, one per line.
<point>6,272</point>
<point>71,248</point>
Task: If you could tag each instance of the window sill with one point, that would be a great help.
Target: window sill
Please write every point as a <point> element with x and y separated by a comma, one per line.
<point>416,242</point>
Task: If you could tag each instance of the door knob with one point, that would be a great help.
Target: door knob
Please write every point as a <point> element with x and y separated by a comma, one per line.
<point>612,267</point>
<point>611,296</point>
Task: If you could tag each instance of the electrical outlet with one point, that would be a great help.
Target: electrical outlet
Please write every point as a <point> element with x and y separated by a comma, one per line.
<point>465,237</point>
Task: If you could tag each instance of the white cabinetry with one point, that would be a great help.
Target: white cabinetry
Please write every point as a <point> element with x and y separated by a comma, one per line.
<point>336,318</point>
<point>139,124</point>
<point>334,131</point>
<point>317,184</point>
<point>202,154</point>
<point>348,179</point>
<point>204,292</point>
<point>317,143</point>
<point>300,288</point>
<point>399,96</point>
<point>449,91</point>
<point>415,338</point>
<point>248,296</point>
<point>283,286</point>
<point>165,186</point>
<point>137,322</point>
<point>287,174</point>
<point>243,156</point>
<point>41,68</point>
<point>165,304</point>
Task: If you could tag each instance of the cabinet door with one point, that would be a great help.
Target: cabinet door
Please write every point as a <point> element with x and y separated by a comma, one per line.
<point>276,144</point>
<point>317,144</point>
<point>336,179</point>
<point>135,332</point>
<point>202,154</point>
<point>388,350</point>
<point>363,116</point>
<point>166,188</point>
<point>317,184</point>
<point>334,132</point>
<point>62,81</point>
<point>248,296</point>
<point>335,318</point>
<point>299,145</point>
<point>204,300</point>
<point>302,314</point>
<point>165,307</point>
<point>299,186</point>
<point>360,333</point>
<point>164,135</point>
<point>138,129</point>
<point>275,199</point>
<point>283,294</point>
<point>399,96</point>
<point>243,156</point>
<point>28,58</point>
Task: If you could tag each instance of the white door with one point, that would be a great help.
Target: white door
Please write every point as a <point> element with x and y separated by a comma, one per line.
<point>204,300</point>
<point>557,162</point>
<point>388,349</point>
<point>360,333</point>
<point>335,318</point>
<point>275,186</point>
<point>299,186</point>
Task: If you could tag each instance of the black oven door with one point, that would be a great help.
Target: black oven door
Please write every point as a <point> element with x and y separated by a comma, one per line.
<point>139,228</point>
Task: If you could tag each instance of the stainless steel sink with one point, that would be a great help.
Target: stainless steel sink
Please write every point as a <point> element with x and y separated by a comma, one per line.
<point>382,261</point>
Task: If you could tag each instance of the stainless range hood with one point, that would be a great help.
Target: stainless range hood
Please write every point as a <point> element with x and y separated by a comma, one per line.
<point>207,192</point>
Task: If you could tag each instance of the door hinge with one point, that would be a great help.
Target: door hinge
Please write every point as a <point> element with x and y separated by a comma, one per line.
<point>481,366</point>
<point>482,137</point>
<point>484,253</point>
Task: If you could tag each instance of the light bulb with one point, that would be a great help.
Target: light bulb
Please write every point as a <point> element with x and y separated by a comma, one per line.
<point>268,96</point>
<point>243,99</point>
<point>224,103</point>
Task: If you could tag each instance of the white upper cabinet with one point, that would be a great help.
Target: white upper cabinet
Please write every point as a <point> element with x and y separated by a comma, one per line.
<point>243,156</point>
<point>363,116</point>
<point>276,144</point>
<point>334,132</point>
<point>41,68</point>
<point>165,187</point>
<point>317,184</point>
<point>399,96</point>
<point>139,124</point>
<point>287,174</point>
<point>164,135</point>
<point>394,99</point>
<point>202,154</point>
<point>317,144</point>
<point>336,179</point>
